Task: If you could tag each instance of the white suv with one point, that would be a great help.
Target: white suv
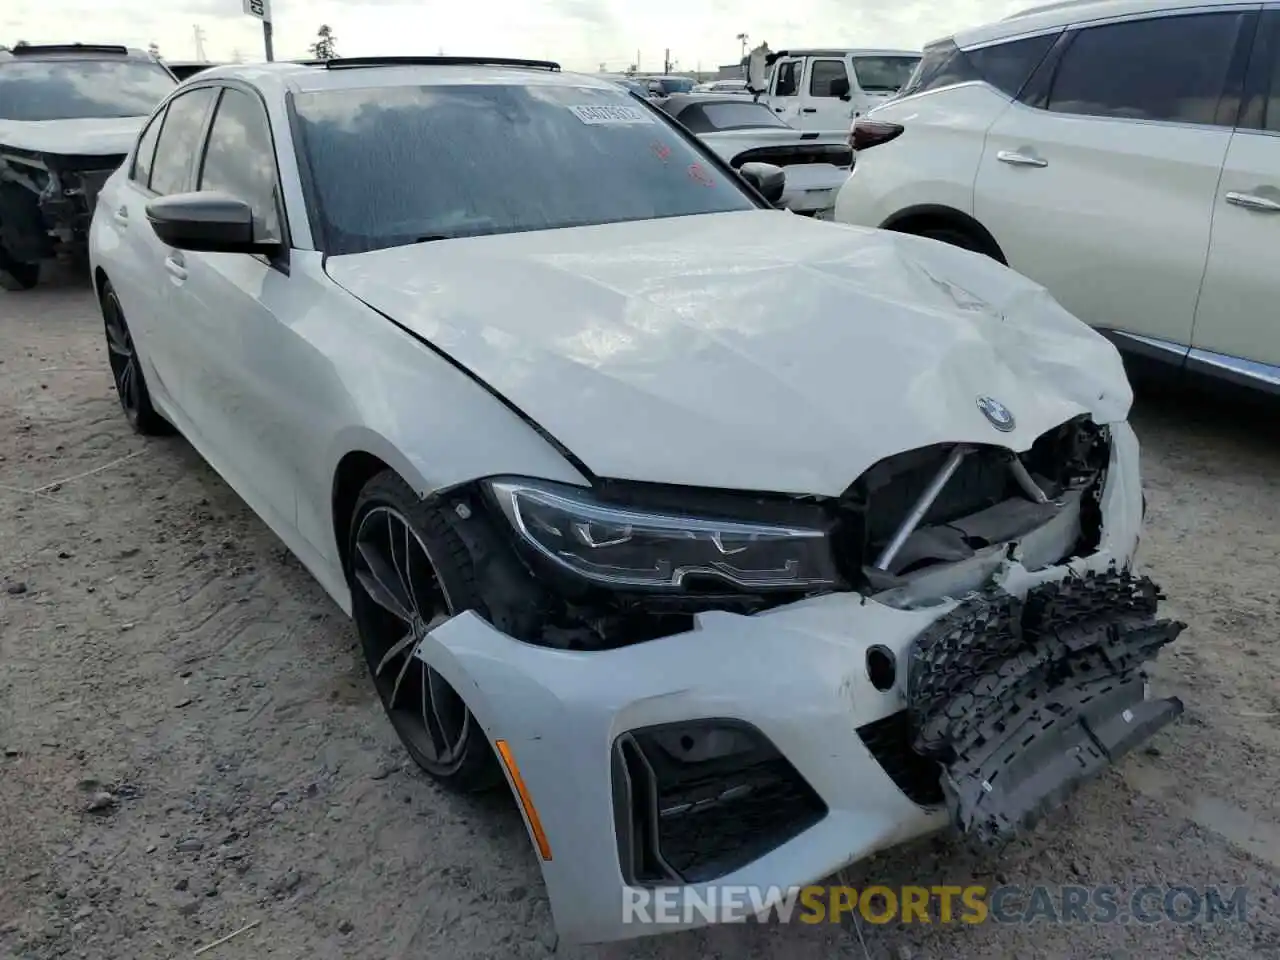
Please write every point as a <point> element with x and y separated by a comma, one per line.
<point>1125,157</point>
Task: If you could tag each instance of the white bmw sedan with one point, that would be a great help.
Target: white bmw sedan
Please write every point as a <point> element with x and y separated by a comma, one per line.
<point>738,545</point>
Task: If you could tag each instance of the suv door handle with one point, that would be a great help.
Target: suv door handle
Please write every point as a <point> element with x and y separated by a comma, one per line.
<point>1251,201</point>
<point>1020,159</point>
<point>175,264</point>
<point>122,216</point>
<point>779,109</point>
<point>809,110</point>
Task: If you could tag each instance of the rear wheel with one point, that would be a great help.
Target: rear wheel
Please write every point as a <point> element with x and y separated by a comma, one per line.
<point>126,371</point>
<point>408,573</point>
<point>956,236</point>
<point>15,275</point>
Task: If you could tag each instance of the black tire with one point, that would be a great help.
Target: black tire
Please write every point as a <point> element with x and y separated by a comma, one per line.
<point>402,547</point>
<point>16,276</point>
<point>126,371</point>
<point>956,236</point>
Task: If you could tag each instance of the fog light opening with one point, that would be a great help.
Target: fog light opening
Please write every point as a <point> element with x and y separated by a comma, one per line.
<point>882,668</point>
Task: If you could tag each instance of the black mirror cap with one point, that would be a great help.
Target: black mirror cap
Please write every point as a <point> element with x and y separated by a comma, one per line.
<point>840,88</point>
<point>769,180</point>
<point>206,221</point>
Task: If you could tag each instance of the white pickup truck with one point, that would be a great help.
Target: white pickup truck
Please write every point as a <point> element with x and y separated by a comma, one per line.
<point>828,88</point>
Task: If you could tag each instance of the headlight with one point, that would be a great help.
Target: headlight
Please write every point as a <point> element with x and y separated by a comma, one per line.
<point>624,547</point>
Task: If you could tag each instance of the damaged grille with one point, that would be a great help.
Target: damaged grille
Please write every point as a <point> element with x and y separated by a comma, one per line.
<point>696,801</point>
<point>896,520</point>
<point>1023,701</point>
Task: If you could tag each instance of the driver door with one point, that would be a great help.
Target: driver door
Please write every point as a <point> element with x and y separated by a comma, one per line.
<point>241,358</point>
<point>784,86</point>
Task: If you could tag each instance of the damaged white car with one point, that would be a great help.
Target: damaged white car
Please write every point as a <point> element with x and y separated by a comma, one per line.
<point>68,115</point>
<point>739,545</point>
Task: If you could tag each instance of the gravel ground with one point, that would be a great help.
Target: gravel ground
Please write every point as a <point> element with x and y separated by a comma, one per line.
<point>190,744</point>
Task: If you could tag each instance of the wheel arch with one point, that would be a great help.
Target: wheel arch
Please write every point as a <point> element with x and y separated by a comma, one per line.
<point>99,278</point>
<point>911,219</point>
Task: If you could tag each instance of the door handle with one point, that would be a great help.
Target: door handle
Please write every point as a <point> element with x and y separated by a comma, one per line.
<point>175,265</point>
<point>809,110</point>
<point>1020,159</point>
<point>122,216</point>
<point>779,109</point>
<point>1251,201</point>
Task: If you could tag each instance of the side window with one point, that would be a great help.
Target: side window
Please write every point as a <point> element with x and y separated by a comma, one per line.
<point>788,84</point>
<point>180,140</point>
<point>942,65</point>
<point>1261,102</point>
<point>1167,68</point>
<point>823,73</point>
<point>146,151</point>
<point>240,159</point>
<point>1007,66</point>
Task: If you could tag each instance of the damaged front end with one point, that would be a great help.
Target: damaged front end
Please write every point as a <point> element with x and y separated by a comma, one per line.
<point>962,641</point>
<point>46,205</point>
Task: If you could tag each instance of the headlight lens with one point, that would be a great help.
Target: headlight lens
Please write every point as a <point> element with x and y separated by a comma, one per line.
<point>622,547</point>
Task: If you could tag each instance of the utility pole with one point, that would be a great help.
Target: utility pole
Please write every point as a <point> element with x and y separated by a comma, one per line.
<point>666,61</point>
<point>198,33</point>
<point>742,39</point>
<point>266,40</point>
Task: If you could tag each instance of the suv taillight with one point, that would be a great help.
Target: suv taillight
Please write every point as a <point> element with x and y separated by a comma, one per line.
<point>872,133</point>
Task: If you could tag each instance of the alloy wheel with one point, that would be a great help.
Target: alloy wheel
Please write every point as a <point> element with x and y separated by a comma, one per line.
<point>398,600</point>
<point>123,358</point>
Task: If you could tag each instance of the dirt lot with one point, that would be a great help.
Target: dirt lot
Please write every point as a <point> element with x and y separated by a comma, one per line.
<point>161,657</point>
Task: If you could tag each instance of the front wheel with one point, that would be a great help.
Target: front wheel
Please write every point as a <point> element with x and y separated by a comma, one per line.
<point>409,572</point>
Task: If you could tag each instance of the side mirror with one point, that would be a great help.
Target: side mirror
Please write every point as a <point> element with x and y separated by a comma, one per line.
<point>768,180</point>
<point>207,221</point>
<point>840,88</point>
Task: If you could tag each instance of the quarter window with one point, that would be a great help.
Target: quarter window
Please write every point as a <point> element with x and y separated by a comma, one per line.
<point>240,160</point>
<point>823,74</point>
<point>180,141</point>
<point>146,151</point>
<point>1008,66</point>
<point>1165,68</point>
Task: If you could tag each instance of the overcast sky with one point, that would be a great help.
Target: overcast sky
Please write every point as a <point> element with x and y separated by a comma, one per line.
<point>579,33</point>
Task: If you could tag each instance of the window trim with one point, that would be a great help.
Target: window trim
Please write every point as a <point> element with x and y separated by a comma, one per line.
<point>204,131</point>
<point>158,117</point>
<point>1262,75</point>
<point>1045,77</point>
<point>813,62</point>
<point>281,261</point>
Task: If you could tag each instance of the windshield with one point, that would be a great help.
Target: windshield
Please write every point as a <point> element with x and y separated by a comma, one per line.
<point>75,89</point>
<point>883,74</point>
<point>397,165</point>
<point>710,117</point>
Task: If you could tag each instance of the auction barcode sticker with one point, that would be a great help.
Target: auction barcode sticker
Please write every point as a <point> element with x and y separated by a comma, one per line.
<point>610,113</point>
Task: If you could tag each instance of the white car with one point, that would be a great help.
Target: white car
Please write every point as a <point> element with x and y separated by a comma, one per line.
<point>736,87</point>
<point>741,131</point>
<point>1124,154</point>
<point>729,539</point>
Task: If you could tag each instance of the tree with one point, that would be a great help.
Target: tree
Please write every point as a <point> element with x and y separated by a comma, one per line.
<point>153,48</point>
<point>325,47</point>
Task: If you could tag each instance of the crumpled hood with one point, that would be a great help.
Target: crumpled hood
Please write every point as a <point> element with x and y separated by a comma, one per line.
<point>755,350</point>
<point>83,137</point>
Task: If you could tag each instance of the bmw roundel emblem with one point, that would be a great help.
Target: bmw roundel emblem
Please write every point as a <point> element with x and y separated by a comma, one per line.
<point>997,414</point>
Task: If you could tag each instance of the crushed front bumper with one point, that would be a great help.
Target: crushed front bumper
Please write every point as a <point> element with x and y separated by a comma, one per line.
<point>797,679</point>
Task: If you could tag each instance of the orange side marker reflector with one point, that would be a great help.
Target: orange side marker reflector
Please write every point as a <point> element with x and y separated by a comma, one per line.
<point>526,802</point>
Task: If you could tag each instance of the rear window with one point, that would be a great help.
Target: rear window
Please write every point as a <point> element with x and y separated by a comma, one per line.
<point>33,90</point>
<point>710,117</point>
<point>398,165</point>
<point>1006,66</point>
<point>883,74</point>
